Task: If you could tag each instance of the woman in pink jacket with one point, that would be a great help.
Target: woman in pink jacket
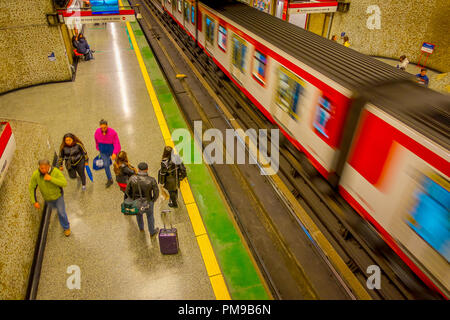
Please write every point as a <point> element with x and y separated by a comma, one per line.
<point>107,142</point>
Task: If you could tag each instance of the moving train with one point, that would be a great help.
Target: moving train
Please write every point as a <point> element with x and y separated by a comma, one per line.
<point>367,127</point>
<point>7,148</point>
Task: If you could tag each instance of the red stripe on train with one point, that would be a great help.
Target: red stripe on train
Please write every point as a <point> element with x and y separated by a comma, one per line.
<point>5,137</point>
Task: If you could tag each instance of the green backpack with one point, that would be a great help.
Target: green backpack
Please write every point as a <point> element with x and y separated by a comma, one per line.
<point>131,207</point>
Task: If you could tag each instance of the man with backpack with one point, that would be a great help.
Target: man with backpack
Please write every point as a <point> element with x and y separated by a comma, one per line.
<point>144,188</point>
<point>51,182</point>
<point>171,173</point>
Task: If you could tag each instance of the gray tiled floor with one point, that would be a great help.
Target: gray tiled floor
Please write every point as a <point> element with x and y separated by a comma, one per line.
<point>115,259</point>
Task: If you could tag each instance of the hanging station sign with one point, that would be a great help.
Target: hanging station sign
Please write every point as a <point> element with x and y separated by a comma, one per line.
<point>87,17</point>
<point>313,7</point>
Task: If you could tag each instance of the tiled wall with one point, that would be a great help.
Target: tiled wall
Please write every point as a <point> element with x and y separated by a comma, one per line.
<point>26,41</point>
<point>19,220</point>
<point>405,25</point>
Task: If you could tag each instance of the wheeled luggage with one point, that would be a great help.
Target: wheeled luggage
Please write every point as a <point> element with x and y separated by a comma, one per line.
<point>168,238</point>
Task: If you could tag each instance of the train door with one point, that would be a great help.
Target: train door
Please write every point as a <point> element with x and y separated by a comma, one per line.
<point>186,13</point>
<point>210,27</point>
<point>239,49</point>
<point>289,90</point>
<point>430,216</point>
<point>279,9</point>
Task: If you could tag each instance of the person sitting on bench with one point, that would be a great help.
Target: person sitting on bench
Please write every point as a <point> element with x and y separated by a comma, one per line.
<point>83,48</point>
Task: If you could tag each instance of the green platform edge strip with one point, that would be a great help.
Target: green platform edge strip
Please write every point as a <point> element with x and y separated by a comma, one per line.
<point>235,262</point>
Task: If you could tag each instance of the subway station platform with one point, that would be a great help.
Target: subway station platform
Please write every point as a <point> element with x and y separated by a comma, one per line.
<point>124,85</point>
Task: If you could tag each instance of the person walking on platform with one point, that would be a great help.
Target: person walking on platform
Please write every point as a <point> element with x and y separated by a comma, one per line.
<point>403,63</point>
<point>144,186</point>
<point>123,170</point>
<point>51,182</point>
<point>422,77</point>
<point>72,151</point>
<point>107,142</point>
<point>171,173</point>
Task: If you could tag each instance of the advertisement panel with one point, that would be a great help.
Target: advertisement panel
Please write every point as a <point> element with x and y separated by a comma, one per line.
<point>104,6</point>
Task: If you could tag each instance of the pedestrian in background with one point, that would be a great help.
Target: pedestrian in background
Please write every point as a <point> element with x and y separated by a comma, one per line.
<point>107,142</point>
<point>73,153</point>
<point>145,187</point>
<point>51,182</point>
<point>84,48</point>
<point>346,41</point>
<point>422,77</point>
<point>171,173</point>
<point>403,63</point>
<point>123,170</point>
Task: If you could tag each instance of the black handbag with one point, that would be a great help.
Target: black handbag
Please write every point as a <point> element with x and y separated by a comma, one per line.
<point>135,207</point>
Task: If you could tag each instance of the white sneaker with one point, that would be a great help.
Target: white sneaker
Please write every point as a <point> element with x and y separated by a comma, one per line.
<point>83,188</point>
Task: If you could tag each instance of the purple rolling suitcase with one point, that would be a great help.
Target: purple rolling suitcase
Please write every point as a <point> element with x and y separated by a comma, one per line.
<point>168,238</point>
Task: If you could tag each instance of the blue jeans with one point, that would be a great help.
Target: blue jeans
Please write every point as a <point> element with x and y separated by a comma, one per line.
<point>150,219</point>
<point>61,209</point>
<point>106,163</point>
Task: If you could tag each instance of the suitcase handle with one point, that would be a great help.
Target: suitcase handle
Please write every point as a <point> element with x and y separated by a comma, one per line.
<point>164,214</point>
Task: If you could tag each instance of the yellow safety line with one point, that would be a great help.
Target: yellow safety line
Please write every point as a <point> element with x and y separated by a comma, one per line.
<point>209,258</point>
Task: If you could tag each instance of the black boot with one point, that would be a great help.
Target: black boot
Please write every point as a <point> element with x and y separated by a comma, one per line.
<point>109,183</point>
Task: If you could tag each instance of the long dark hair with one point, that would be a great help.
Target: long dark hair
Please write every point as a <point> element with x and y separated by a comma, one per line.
<point>167,153</point>
<point>74,138</point>
<point>122,157</point>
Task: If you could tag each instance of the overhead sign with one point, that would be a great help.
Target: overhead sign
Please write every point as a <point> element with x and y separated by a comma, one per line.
<point>87,17</point>
<point>313,7</point>
<point>427,47</point>
<point>104,6</point>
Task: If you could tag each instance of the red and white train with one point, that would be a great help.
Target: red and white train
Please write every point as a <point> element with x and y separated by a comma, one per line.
<point>7,148</point>
<point>364,125</point>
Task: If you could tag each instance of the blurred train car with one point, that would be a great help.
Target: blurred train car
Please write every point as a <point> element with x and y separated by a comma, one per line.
<point>397,175</point>
<point>340,108</point>
<point>7,148</point>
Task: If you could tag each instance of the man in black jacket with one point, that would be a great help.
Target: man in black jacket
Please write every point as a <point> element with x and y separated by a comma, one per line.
<point>143,186</point>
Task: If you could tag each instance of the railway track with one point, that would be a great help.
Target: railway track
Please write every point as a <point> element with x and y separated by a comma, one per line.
<point>310,200</point>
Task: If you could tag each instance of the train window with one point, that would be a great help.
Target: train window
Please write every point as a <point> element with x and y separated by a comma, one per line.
<point>210,24</point>
<point>289,90</point>
<point>186,11</point>
<point>430,217</point>
<point>192,15</point>
<point>259,66</point>
<point>239,52</point>
<point>179,5</point>
<point>222,38</point>
<point>323,116</point>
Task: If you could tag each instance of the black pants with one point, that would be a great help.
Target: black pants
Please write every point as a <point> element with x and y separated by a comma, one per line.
<point>173,197</point>
<point>79,168</point>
